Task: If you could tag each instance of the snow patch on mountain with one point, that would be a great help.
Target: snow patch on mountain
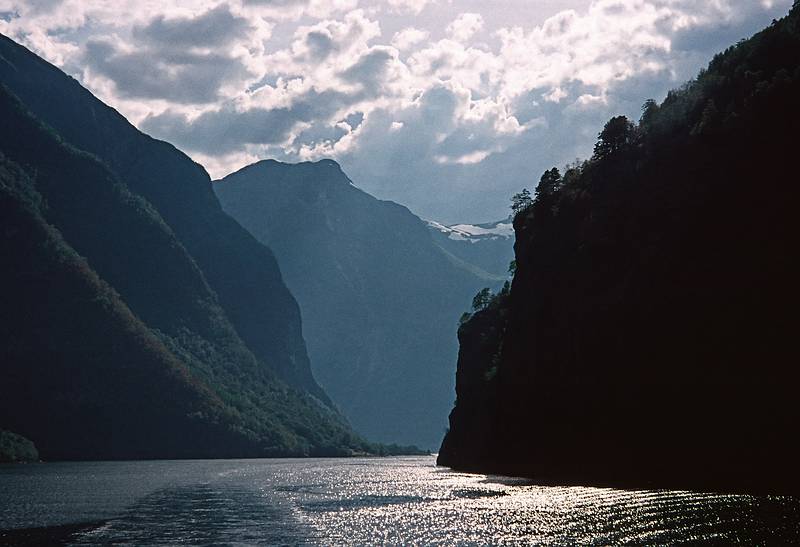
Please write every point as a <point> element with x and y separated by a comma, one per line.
<point>473,233</point>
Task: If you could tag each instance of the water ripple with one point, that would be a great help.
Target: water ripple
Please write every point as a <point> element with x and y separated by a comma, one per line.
<point>392,501</point>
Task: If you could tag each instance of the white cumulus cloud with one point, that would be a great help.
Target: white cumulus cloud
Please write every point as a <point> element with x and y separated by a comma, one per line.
<point>430,103</point>
<point>465,26</point>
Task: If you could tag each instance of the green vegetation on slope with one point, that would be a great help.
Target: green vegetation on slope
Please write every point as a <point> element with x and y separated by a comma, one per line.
<point>16,448</point>
<point>242,273</point>
<point>152,367</point>
<point>82,376</point>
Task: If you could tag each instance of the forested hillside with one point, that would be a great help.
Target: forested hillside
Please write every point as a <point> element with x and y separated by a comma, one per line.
<point>125,329</point>
<point>242,272</point>
<point>649,334</point>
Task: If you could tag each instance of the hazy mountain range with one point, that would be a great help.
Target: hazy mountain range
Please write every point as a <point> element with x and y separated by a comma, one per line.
<point>379,293</point>
<point>489,246</point>
<point>140,320</point>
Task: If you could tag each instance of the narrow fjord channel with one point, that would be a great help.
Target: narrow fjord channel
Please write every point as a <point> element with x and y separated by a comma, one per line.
<point>369,501</point>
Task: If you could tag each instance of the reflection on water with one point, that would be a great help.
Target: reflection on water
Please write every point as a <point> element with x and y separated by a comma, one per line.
<point>367,502</point>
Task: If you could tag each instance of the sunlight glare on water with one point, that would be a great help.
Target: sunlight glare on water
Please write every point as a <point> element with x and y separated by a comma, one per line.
<point>369,501</point>
<point>406,501</point>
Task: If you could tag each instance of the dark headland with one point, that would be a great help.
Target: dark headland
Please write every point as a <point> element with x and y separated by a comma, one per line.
<point>649,337</point>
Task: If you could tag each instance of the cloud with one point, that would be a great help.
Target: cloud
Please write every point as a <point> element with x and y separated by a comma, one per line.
<point>293,10</point>
<point>172,75</point>
<point>328,75</point>
<point>214,28</point>
<point>444,125</point>
<point>237,125</point>
<point>412,6</point>
<point>279,3</point>
<point>375,71</point>
<point>316,43</point>
<point>40,6</point>
<point>226,130</point>
<point>408,37</point>
<point>183,57</point>
<point>439,109</point>
<point>465,26</point>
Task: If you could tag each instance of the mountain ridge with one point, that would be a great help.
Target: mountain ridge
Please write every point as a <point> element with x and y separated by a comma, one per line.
<point>152,277</point>
<point>380,299</point>
<point>157,170</point>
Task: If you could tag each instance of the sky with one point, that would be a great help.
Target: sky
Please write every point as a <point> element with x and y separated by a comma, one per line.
<point>446,106</point>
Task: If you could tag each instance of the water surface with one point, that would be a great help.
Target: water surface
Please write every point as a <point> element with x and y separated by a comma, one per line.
<point>366,502</point>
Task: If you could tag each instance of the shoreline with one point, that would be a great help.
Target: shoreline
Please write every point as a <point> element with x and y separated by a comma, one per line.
<point>242,458</point>
<point>60,534</point>
<point>718,486</point>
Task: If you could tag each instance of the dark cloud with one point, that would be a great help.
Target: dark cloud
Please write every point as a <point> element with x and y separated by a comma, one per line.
<point>224,130</point>
<point>42,6</point>
<point>179,59</point>
<point>354,120</point>
<point>437,108</point>
<point>320,44</point>
<point>214,28</point>
<point>179,76</point>
<point>321,133</point>
<point>371,69</point>
<point>228,130</point>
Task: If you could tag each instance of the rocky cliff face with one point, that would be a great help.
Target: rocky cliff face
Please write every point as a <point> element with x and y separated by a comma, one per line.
<point>380,300</point>
<point>646,340</point>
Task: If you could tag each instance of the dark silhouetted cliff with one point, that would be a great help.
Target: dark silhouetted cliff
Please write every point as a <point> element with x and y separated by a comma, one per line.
<point>649,337</point>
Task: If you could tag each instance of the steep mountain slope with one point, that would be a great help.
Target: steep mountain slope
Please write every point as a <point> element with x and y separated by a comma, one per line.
<point>80,374</point>
<point>114,344</point>
<point>380,301</point>
<point>488,246</point>
<point>649,335</point>
<point>242,272</point>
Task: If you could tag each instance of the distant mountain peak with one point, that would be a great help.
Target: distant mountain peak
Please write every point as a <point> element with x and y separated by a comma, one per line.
<point>380,298</point>
<point>502,229</point>
<point>271,163</point>
<point>324,171</point>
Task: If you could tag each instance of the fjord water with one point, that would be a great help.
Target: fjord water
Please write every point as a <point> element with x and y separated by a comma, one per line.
<point>366,502</point>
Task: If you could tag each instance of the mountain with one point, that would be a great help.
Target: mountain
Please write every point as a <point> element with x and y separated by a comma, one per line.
<point>139,319</point>
<point>488,246</point>
<point>380,300</point>
<point>242,272</point>
<point>648,338</point>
